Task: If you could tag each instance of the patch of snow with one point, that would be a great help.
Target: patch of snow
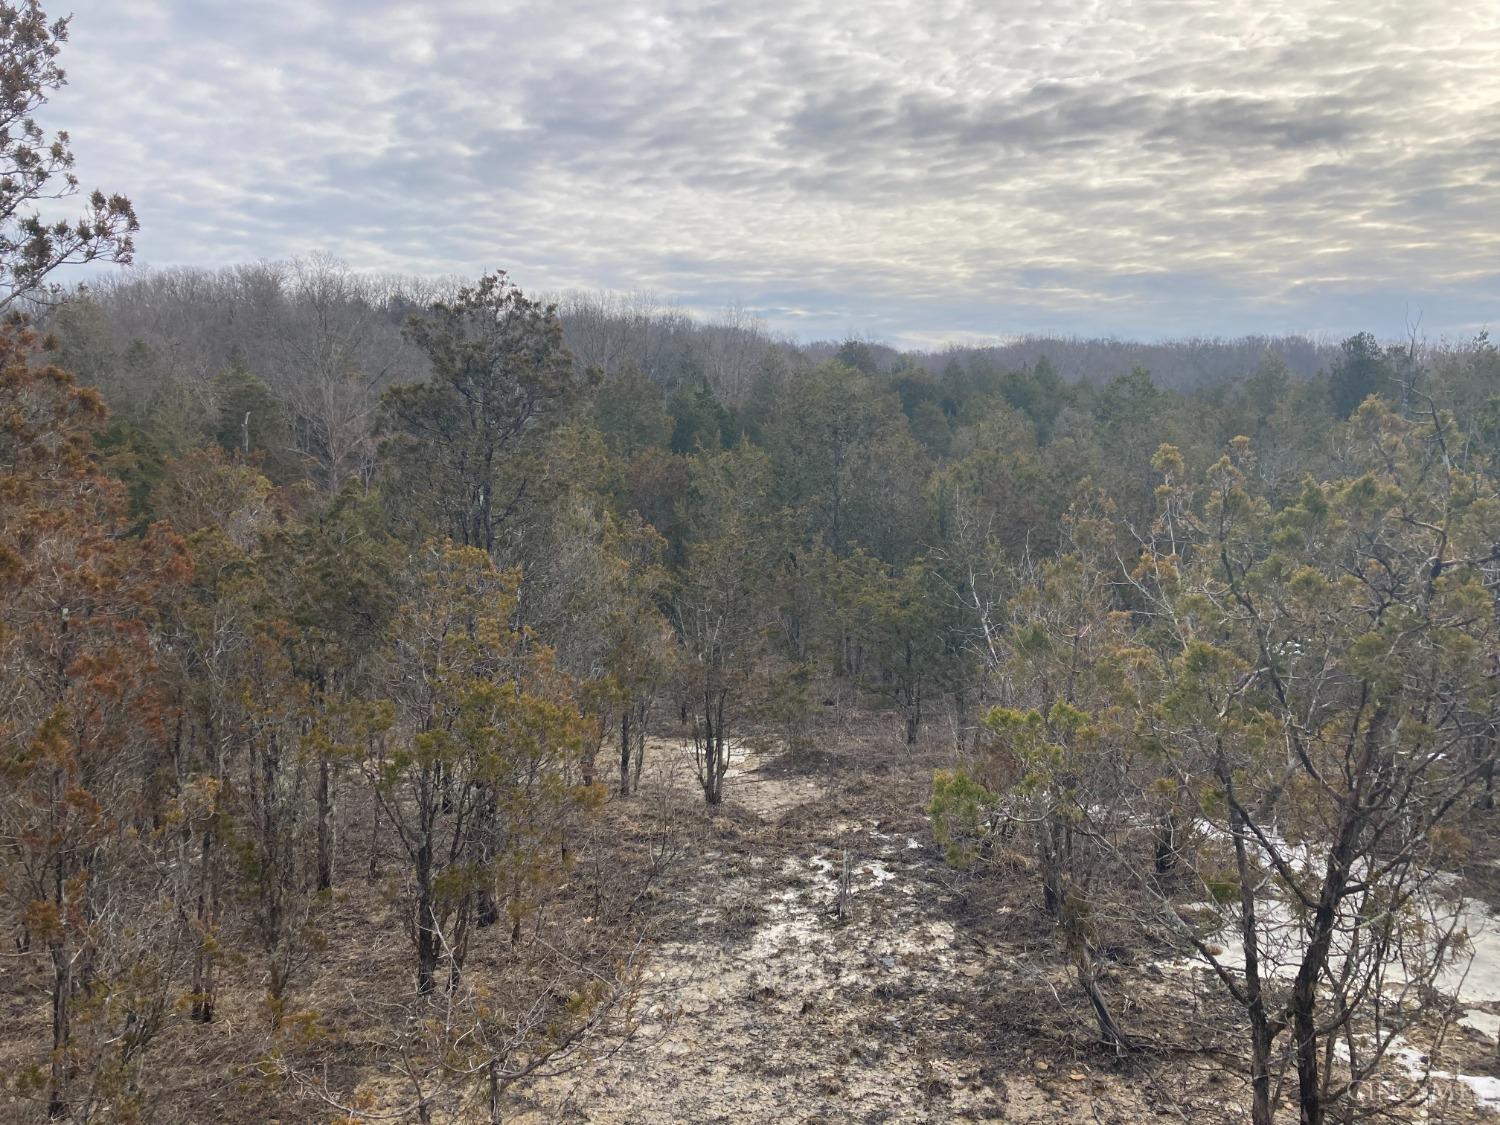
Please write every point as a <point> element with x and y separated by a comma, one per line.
<point>1472,978</point>
<point>1486,1023</point>
<point>1486,1090</point>
<point>1477,980</point>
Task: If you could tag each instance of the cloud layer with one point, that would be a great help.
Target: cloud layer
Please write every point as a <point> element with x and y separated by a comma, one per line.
<point>919,172</point>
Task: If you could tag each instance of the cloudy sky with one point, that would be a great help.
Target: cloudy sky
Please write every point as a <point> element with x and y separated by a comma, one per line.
<point>912,170</point>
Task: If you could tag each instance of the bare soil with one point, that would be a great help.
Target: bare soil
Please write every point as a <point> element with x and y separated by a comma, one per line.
<point>914,1006</point>
<point>928,999</point>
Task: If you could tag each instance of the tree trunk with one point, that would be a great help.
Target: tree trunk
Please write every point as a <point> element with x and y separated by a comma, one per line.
<point>625,751</point>
<point>427,938</point>
<point>1260,1070</point>
<point>588,763</point>
<point>1088,981</point>
<point>374,868</point>
<point>713,789</point>
<point>62,987</point>
<point>270,849</point>
<point>913,693</point>
<point>325,824</point>
<point>960,718</point>
<point>203,958</point>
<point>62,981</point>
<point>1049,860</point>
<point>1262,1033</point>
<point>373,871</point>
<point>1304,1013</point>
<point>486,912</point>
<point>1320,934</point>
<point>1304,989</point>
<point>1166,844</point>
<point>715,752</point>
<point>643,711</point>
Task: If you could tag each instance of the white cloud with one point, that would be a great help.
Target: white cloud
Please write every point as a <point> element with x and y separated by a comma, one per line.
<point>897,168</point>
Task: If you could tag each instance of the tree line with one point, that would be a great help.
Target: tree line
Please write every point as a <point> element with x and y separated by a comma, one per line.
<point>1234,644</point>
<point>299,565</point>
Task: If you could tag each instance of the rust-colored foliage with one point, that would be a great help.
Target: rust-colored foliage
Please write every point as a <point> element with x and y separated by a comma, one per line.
<point>85,726</point>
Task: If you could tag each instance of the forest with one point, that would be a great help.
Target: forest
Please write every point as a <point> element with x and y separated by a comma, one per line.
<point>426,701</point>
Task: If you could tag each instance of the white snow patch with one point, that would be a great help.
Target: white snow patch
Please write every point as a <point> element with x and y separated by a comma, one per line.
<point>1486,1023</point>
<point>1486,1090</point>
<point>1476,981</point>
<point>1473,979</point>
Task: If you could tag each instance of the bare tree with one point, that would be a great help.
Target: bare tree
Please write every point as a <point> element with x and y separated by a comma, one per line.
<point>720,608</point>
<point>337,353</point>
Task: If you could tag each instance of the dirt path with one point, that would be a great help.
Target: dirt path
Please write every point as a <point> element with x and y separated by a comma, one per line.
<point>766,1006</point>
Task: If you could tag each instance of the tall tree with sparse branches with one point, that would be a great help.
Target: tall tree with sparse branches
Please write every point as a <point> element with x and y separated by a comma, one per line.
<point>501,376</point>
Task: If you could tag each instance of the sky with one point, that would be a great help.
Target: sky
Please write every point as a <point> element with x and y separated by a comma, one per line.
<point>914,171</point>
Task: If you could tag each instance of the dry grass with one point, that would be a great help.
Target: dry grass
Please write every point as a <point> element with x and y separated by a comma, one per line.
<point>935,999</point>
